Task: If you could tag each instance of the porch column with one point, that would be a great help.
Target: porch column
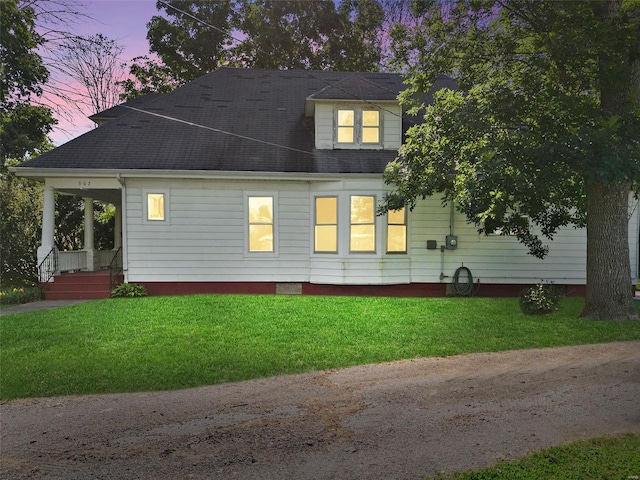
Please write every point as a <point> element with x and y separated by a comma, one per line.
<point>88,233</point>
<point>117,228</point>
<point>48,224</point>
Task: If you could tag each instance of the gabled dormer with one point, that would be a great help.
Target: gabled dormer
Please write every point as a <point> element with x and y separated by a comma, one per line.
<point>356,113</point>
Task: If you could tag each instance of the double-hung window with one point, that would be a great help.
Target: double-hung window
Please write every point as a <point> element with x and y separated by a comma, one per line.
<point>371,127</point>
<point>346,130</point>
<point>363,224</point>
<point>326,225</point>
<point>397,231</point>
<point>357,126</point>
<point>261,236</point>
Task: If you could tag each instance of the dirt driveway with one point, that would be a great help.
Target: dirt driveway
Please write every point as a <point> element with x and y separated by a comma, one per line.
<point>401,420</point>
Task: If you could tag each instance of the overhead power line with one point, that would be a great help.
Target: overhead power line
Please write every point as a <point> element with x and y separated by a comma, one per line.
<point>217,130</point>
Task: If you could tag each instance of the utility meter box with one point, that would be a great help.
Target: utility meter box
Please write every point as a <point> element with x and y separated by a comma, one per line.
<point>452,242</point>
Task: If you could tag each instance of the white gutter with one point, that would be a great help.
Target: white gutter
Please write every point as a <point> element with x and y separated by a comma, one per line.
<point>41,173</point>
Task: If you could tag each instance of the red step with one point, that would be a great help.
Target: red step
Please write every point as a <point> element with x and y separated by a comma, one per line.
<point>80,286</point>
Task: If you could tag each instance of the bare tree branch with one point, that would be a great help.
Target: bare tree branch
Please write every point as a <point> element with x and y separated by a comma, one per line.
<point>94,63</point>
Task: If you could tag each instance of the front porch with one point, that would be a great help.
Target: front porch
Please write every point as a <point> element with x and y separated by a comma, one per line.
<point>80,274</point>
<point>88,273</point>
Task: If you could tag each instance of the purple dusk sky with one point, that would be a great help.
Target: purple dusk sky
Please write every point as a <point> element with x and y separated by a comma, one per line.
<point>122,20</point>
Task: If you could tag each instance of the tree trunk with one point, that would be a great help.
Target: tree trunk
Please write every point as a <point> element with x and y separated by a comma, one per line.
<point>609,288</point>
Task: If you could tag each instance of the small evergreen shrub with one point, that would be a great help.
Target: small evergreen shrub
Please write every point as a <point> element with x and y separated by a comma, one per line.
<point>540,299</point>
<point>129,290</point>
<point>15,296</point>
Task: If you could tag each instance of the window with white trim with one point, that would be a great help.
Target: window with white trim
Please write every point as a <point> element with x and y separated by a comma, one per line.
<point>326,225</point>
<point>346,129</point>
<point>397,231</point>
<point>155,206</point>
<point>362,214</point>
<point>357,126</point>
<point>261,223</point>
<point>371,126</point>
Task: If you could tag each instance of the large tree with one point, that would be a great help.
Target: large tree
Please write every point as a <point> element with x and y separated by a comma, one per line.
<point>23,126</point>
<point>359,44</point>
<point>285,34</point>
<point>198,37</point>
<point>147,75</point>
<point>23,131</point>
<point>542,132</point>
<point>192,40</point>
<point>309,35</point>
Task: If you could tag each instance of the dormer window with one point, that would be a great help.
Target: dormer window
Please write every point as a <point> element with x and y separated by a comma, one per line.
<point>357,126</point>
<point>370,126</point>
<point>346,126</point>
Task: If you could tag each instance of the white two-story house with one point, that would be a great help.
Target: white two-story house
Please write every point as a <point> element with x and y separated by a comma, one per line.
<point>268,181</point>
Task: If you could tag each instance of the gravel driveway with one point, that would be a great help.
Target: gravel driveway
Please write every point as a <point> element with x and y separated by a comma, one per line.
<point>400,420</point>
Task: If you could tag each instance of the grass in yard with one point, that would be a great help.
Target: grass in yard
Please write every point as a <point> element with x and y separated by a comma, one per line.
<point>163,343</point>
<point>600,458</point>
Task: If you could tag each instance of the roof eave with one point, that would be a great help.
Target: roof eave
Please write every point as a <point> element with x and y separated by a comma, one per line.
<point>41,174</point>
<point>309,104</point>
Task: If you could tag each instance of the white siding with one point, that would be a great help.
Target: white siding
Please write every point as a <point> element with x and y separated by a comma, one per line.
<point>205,240</point>
<point>493,258</point>
<point>392,127</point>
<point>324,125</point>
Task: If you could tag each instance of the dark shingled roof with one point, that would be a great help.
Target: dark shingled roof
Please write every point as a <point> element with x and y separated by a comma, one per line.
<point>229,120</point>
<point>358,86</point>
<point>115,112</point>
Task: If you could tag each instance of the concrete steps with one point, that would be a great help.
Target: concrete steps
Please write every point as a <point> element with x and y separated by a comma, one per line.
<point>80,286</point>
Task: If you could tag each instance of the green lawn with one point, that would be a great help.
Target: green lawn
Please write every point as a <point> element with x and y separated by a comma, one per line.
<point>597,459</point>
<point>161,343</point>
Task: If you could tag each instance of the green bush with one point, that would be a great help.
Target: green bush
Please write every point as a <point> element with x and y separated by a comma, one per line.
<point>129,290</point>
<point>15,296</point>
<point>540,299</point>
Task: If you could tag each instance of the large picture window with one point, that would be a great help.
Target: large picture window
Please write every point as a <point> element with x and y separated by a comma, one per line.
<point>261,224</point>
<point>326,225</point>
<point>397,231</point>
<point>363,226</point>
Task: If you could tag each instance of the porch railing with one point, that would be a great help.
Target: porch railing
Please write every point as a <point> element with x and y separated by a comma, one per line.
<point>102,259</point>
<point>76,260</point>
<point>48,268</point>
<point>72,261</point>
<point>115,269</point>
<point>57,262</point>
